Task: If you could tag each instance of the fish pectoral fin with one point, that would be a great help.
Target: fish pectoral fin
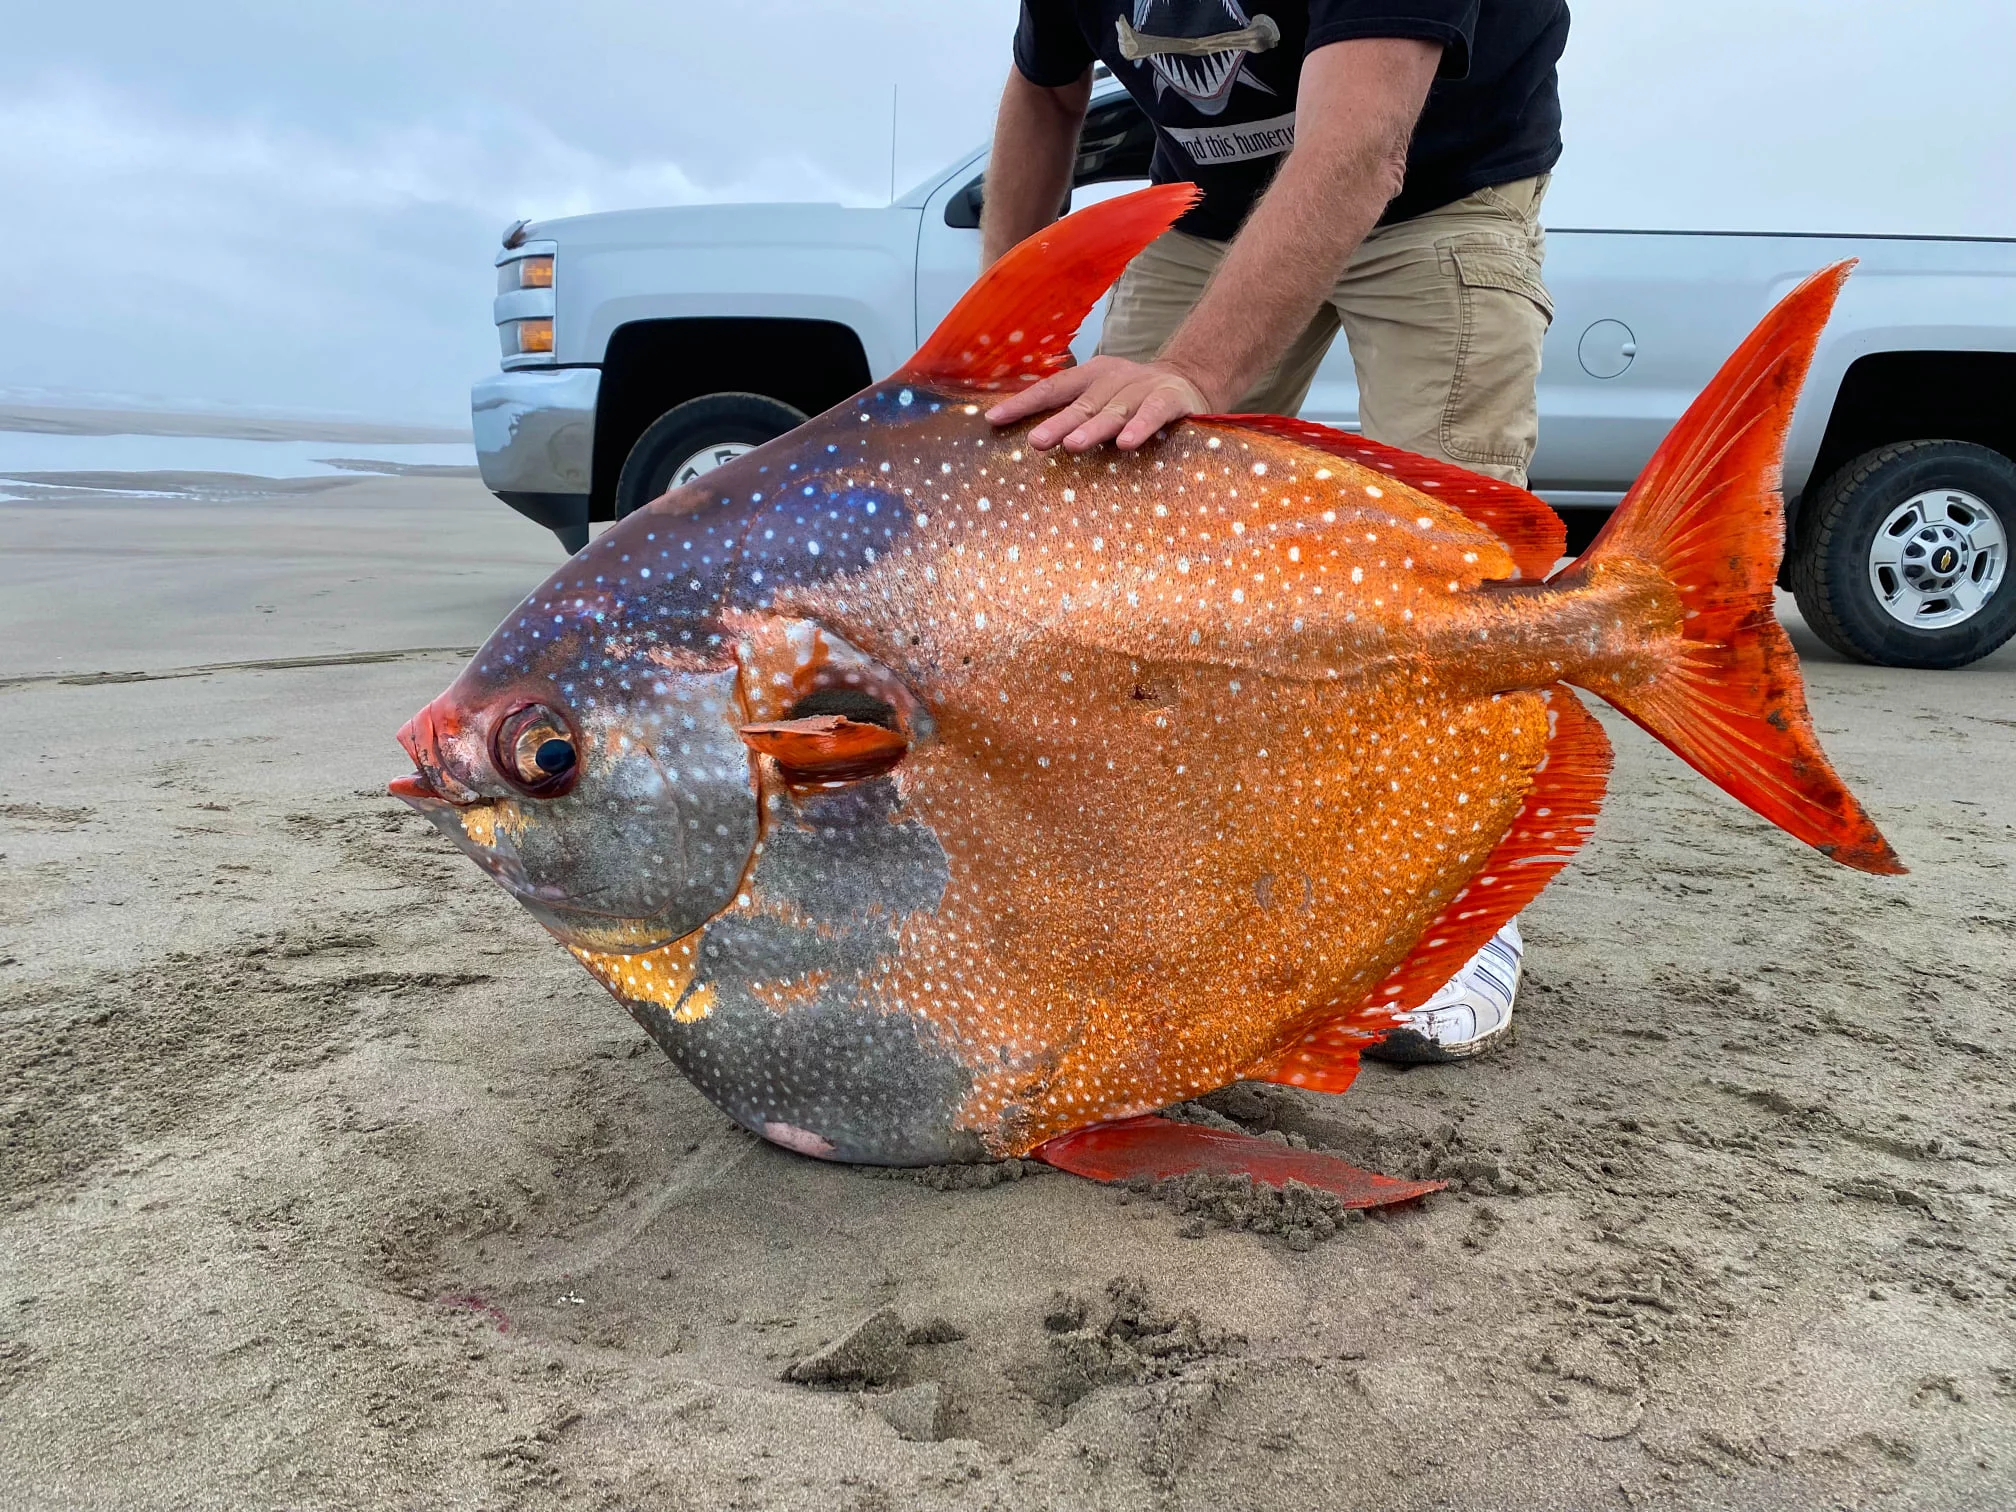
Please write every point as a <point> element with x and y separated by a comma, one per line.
<point>826,747</point>
<point>1156,1149</point>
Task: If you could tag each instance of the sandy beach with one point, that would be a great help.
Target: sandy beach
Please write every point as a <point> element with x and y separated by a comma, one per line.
<point>330,1181</point>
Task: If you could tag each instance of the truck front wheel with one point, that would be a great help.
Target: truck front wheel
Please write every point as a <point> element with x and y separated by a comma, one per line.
<point>695,438</point>
<point>1903,556</point>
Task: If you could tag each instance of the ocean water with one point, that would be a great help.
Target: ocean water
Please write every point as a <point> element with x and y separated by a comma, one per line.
<point>29,452</point>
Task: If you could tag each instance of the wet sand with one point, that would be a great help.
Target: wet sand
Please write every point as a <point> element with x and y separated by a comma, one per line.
<point>330,1182</point>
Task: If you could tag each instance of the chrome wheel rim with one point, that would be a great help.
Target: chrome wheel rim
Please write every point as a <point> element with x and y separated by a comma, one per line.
<point>1938,558</point>
<point>707,459</point>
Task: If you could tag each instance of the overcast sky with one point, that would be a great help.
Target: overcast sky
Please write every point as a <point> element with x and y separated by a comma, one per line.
<point>294,206</point>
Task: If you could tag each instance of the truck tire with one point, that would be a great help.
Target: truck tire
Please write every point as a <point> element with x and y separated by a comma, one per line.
<point>696,437</point>
<point>1903,556</point>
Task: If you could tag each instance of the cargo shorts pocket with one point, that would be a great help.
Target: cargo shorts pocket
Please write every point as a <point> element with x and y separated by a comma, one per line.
<point>1503,313</point>
<point>1499,267</point>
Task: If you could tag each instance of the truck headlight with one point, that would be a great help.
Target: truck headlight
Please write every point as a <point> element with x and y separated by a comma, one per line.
<point>524,337</point>
<point>525,273</point>
<point>526,301</point>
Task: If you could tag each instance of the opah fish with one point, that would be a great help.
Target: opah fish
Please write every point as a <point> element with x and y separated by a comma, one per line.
<point>930,798</point>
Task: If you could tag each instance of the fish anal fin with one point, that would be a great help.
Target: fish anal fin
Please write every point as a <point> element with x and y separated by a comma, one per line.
<point>1015,324</point>
<point>1555,817</point>
<point>1156,1149</point>
<point>1532,531</point>
<point>1326,1058</point>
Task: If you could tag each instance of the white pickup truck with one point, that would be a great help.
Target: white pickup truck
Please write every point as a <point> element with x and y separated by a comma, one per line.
<point>641,347</point>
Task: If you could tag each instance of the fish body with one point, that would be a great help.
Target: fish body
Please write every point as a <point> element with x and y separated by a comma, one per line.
<point>929,798</point>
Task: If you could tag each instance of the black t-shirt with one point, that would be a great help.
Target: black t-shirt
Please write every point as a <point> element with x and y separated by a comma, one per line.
<point>1225,115</point>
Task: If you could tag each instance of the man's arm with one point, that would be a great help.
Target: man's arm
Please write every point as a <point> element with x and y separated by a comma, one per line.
<point>1029,168</point>
<point>1355,109</point>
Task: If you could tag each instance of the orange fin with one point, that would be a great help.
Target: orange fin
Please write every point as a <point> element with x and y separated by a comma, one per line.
<point>1015,324</point>
<point>826,747</point>
<point>1157,1148</point>
<point>1534,533</point>
<point>1706,513</point>
<point>1556,816</point>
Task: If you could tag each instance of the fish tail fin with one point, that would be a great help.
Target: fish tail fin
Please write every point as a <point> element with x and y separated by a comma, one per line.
<point>1707,515</point>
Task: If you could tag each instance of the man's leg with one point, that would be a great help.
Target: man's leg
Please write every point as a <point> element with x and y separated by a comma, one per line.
<point>1445,315</point>
<point>1163,284</point>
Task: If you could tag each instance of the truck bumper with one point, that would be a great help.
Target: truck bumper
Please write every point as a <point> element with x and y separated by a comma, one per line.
<point>535,441</point>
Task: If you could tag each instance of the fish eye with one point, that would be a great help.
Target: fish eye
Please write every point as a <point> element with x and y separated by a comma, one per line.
<point>536,752</point>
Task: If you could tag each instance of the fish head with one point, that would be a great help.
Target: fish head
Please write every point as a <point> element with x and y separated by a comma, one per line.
<point>588,758</point>
<point>619,823</point>
<point>609,754</point>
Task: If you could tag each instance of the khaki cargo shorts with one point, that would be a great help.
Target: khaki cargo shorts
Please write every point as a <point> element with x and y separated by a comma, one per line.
<point>1444,315</point>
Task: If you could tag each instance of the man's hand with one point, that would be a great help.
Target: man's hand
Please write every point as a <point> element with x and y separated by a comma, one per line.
<point>1106,399</point>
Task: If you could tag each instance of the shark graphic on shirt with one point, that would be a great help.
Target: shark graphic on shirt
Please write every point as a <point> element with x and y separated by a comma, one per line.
<point>1198,48</point>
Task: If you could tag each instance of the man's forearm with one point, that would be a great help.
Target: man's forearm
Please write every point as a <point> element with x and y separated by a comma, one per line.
<point>1029,169</point>
<point>1327,196</point>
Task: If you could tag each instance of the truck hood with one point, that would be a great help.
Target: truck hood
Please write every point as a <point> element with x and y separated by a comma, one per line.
<point>715,226</point>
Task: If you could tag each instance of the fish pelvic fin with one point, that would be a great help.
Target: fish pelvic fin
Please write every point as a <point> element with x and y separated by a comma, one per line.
<point>1156,1149</point>
<point>1531,530</point>
<point>1555,817</point>
<point>1015,324</point>
<point>1707,515</point>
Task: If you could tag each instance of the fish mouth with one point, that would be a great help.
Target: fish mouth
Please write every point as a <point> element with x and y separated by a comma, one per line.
<point>424,737</point>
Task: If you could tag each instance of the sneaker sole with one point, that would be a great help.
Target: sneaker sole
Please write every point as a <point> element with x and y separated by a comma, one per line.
<point>1409,1047</point>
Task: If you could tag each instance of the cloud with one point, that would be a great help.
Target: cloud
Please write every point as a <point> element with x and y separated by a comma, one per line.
<point>255,261</point>
<point>297,205</point>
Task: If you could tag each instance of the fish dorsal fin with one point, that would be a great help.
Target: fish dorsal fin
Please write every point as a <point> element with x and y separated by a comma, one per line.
<point>1534,533</point>
<point>1554,819</point>
<point>1015,324</point>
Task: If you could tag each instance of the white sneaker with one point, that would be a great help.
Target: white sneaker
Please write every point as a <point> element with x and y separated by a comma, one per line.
<point>1469,1014</point>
